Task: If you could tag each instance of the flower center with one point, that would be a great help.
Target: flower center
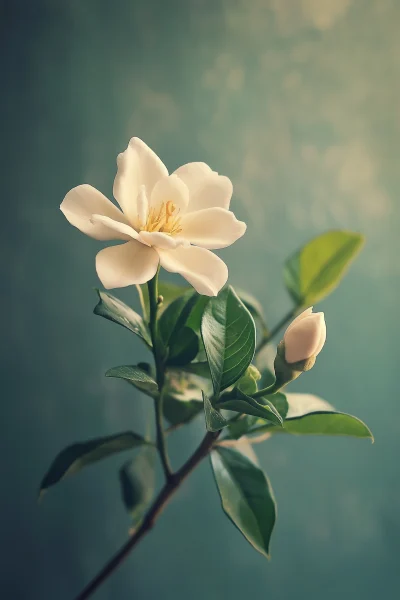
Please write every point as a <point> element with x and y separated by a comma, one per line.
<point>162,219</point>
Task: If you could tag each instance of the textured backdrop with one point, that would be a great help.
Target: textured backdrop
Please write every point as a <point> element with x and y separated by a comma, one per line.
<point>297,101</point>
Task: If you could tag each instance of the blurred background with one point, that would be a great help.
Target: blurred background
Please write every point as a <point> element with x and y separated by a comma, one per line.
<point>297,101</point>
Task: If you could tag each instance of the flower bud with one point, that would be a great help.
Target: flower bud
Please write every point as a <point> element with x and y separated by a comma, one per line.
<point>305,336</point>
<point>302,342</point>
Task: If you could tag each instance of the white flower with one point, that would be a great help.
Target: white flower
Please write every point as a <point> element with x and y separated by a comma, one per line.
<point>173,220</point>
<point>305,336</point>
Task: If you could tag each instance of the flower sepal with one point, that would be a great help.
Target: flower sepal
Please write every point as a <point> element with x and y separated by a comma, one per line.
<point>286,372</point>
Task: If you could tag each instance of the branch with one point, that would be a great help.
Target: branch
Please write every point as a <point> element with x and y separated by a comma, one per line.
<point>154,512</point>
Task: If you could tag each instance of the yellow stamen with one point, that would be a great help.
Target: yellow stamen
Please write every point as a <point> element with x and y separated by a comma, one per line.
<point>163,219</point>
<point>169,210</point>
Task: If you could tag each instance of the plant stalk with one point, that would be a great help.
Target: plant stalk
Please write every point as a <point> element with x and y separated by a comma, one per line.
<point>160,377</point>
<point>154,512</point>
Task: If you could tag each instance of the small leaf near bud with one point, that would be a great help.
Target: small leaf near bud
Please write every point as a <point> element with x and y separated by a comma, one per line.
<point>248,381</point>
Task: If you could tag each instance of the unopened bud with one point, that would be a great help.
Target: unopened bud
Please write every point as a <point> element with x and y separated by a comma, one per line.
<point>302,342</point>
<point>305,336</point>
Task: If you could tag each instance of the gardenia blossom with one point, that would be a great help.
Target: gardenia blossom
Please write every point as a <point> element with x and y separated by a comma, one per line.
<point>172,220</point>
<point>305,336</point>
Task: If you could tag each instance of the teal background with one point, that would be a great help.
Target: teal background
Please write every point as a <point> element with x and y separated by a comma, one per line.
<point>298,103</point>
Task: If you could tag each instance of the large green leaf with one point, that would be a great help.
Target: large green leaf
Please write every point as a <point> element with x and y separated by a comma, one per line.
<point>138,479</point>
<point>303,404</point>
<point>229,337</point>
<point>214,420</point>
<point>73,458</point>
<point>135,376</point>
<point>327,423</point>
<point>246,496</point>
<point>260,407</point>
<point>317,268</point>
<point>115,310</point>
<point>311,415</point>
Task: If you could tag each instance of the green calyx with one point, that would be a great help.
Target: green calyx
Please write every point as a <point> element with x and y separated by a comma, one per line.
<point>286,372</point>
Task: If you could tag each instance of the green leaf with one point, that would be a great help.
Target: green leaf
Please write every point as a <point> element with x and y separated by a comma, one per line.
<point>267,378</point>
<point>327,423</point>
<point>241,426</point>
<point>303,404</point>
<point>247,424</point>
<point>317,268</point>
<point>135,376</point>
<point>260,407</point>
<point>73,458</point>
<point>182,341</point>
<point>311,415</point>
<point>174,317</point>
<point>214,420</point>
<point>248,381</point>
<point>279,401</point>
<point>194,320</point>
<point>229,337</point>
<point>169,292</point>
<point>138,479</point>
<point>184,348</point>
<point>115,310</point>
<point>246,496</point>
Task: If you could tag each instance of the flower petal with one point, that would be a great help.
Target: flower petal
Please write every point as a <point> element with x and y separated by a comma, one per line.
<point>142,205</point>
<point>301,342</point>
<point>212,228</point>
<point>170,189</point>
<point>215,190</point>
<point>126,264</point>
<point>205,271</point>
<point>137,165</point>
<point>302,315</point>
<point>322,338</point>
<point>82,202</point>
<point>159,239</point>
<point>193,174</point>
<point>126,232</point>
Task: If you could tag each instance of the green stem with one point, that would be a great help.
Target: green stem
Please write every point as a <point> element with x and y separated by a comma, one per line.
<point>160,377</point>
<point>272,389</point>
<point>271,334</point>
